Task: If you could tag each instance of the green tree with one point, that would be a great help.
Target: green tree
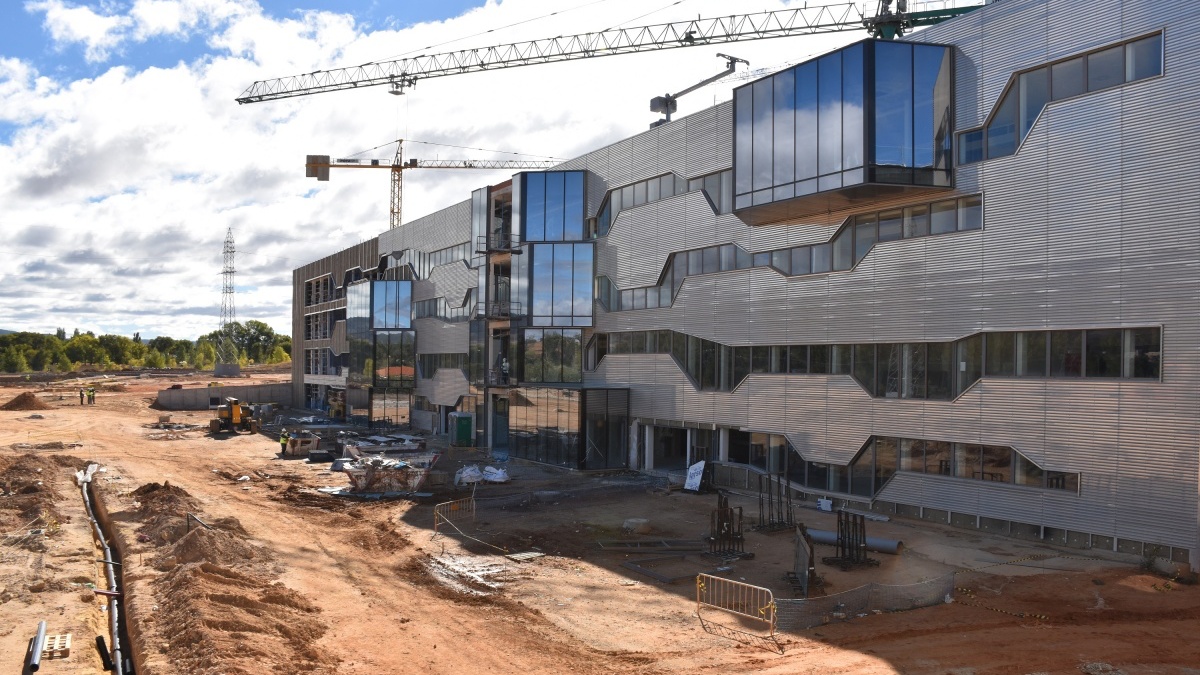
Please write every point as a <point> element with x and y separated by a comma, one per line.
<point>206,354</point>
<point>279,356</point>
<point>61,334</point>
<point>12,360</point>
<point>87,349</point>
<point>154,359</point>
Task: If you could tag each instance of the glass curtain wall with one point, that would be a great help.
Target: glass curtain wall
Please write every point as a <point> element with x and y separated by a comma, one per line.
<point>873,112</point>
<point>544,426</point>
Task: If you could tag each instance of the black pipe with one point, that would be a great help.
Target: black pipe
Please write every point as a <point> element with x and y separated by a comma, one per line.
<point>114,603</point>
<point>35,650</point>
<point>102,648</point>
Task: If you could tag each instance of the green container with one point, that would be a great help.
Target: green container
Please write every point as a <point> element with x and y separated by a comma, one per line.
<point>462,430</point>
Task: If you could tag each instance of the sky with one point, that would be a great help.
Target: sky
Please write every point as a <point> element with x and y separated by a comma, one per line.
<point>127,159</point>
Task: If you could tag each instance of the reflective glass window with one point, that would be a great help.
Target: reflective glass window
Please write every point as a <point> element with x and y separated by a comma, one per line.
<point>1106,68</point>
<point>1031,354</point>
<point>759,360</point>
<point>970,213</point>
<point>932,122</point>
<point>970,147</point>
<point>1034,87</point>
<point>866,231</point>
<point>893,104</point>
<point>666,186</point>
<point>912,455</point>
<point>916,221</point>
<point>943,217</point>
<point>695,263</point>
<point>967,460</point>
<point>818,359</point>
<point>970,361</point>
<point>797,359</point>
<point>801,260</point>
<point>1143,58</point>
<point>1066,353</point>
<point>744,259</point>
<point>822,258</point>
<point>886,457</point>
<point>1142,352</point>
<point>554,205</point>
<point>573,207</point>
<point>728,257</point>
<point>1104,353</point>
<point>652,190</point>
<point>939,457</point>
<point>806,121</point>
<point>1066,79</point>
<point>1026,472</point>
<point>763,153</point>
<point>535,207</point>
<point>1001,354</point>
<point>1002,129</point>
<point>829,92</point>
<point>784,143</point>
<point>762,259</point>
<point>639,298</point>
<point>852,107</point>
<point>712,259</point>
<point>843,250</point>
<point>782,260</point>
<point>743,104</point>
<point>864,367</point>
<point>891,225</point>
<point>997,463</point>
<point>840,359</point>
<point>639,193</point>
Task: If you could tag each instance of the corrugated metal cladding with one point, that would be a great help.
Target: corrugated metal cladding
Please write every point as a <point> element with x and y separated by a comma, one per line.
<point>365,256</point>
<point>1094,222</point>
<point>442,229</point>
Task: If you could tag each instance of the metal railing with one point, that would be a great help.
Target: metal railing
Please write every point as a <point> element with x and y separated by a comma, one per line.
<point>497,242</point>
<point>752,602</point>
<point>459,508</point>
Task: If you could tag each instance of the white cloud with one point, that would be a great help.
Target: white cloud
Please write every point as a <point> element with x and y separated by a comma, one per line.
<point>67,24</point>
<point>122,185</point>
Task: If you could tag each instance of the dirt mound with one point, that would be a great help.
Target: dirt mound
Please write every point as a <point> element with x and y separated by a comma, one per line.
<point>163,510</point>
<point>25,401</point>
<point>213,546</point>
<point>214,619</point>
<point>30,486</point>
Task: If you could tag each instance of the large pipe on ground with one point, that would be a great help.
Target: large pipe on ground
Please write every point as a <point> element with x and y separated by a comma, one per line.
<point>35,650</point>
<point>874,544</point>
<point>114,602</point>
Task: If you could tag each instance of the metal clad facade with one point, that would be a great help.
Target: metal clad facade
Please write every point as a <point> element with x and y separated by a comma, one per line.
<point>1093,223</point>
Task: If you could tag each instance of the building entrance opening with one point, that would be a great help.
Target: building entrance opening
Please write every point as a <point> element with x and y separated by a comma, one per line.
<point>670,448</point>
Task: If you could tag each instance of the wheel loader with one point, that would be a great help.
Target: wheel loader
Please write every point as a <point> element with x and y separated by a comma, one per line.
<point>233,416</point>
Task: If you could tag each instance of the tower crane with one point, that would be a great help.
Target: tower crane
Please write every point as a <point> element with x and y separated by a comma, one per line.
<point>318,166</point>
<point>403,73</point>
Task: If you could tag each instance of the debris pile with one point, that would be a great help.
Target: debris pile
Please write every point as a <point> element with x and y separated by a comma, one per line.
<point>25,401</point>
<point>163,510</point>
<point>29,491</point>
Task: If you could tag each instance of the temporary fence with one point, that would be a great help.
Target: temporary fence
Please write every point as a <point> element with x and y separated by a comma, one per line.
<point>459,508</point>
<point>800,613</point>
<point>752,602</point>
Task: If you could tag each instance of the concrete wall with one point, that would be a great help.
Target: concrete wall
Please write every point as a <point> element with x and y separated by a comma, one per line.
<point>197,398</point>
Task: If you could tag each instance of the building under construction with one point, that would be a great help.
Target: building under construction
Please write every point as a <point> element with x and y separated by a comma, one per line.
<point>949,277</point>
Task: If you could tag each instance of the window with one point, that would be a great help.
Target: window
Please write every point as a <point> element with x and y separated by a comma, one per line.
<point>561,285</point>
<point>943,217</point>
<point>930,371</point>
<point>1030,91</point>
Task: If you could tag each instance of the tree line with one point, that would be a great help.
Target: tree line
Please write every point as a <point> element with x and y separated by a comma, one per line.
<point>256,342</point>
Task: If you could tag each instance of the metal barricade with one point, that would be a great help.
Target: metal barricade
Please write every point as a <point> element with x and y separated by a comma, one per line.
<point>458,508</point>
<point>753,602</point>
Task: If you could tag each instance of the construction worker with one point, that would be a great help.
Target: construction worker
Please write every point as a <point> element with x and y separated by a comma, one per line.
<point>283,441</point>
<point>91,395</point>
<point>81,395</point>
